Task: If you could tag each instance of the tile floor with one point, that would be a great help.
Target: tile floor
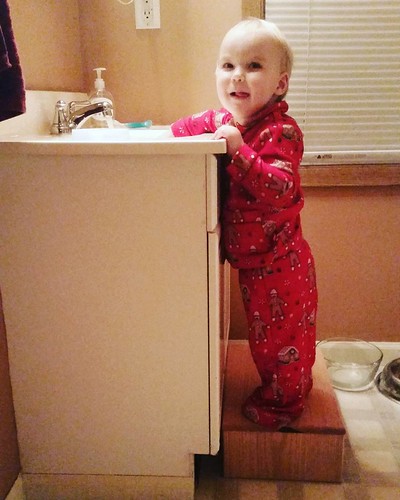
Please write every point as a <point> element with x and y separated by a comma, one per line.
<point>371,468</point>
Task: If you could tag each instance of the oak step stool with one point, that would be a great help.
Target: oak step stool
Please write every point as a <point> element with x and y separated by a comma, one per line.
<point>313,451</point>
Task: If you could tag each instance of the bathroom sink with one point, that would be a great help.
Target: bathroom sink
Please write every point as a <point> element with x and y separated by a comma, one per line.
<point>121,134</point>
<point>118,141</point>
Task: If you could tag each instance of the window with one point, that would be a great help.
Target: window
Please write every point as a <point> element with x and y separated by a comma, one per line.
<point>345,86</point>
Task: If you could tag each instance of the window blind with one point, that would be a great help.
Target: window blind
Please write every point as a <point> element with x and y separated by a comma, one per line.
<point>345,86</point>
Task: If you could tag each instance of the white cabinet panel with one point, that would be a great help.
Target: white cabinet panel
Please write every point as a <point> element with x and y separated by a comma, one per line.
<point>104,275</point>
<point>218,293</point>
<point>212,193</point>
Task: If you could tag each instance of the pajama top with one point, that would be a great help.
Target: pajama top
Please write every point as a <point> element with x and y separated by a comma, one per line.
<point>260,218</point>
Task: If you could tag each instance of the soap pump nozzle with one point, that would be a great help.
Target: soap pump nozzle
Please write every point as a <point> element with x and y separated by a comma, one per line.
<point>99,82</point>
<point>100,94</point>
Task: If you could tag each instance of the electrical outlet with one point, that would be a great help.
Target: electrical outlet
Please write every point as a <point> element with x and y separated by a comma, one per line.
<point>147,14</point>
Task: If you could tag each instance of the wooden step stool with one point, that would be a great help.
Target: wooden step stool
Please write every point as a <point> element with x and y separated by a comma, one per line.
<point>312,452</point>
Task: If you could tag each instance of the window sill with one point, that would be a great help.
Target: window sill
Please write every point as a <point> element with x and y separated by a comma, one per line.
<point>350,175</point>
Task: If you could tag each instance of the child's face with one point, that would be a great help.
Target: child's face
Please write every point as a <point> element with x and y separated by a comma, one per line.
<point>248,73</point>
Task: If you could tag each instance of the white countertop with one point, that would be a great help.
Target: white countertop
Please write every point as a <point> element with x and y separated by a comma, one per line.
<point>133,142</point>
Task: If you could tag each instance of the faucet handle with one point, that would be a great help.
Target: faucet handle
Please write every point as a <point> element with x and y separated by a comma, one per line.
<point>60,121</point>
<point>74,106</point>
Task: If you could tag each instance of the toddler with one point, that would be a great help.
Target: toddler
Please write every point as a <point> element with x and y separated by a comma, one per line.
<point>261,227</point>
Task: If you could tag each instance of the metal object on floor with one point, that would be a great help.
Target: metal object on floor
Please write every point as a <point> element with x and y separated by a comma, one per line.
<point>388,381</point>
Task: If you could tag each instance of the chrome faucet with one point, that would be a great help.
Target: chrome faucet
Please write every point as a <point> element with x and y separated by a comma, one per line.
<point>74,114</point>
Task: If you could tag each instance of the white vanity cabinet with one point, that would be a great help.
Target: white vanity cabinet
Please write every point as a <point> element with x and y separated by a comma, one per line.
<point>116,309</point>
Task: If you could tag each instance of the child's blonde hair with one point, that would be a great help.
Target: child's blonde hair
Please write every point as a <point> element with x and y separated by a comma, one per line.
<point>272,30</point>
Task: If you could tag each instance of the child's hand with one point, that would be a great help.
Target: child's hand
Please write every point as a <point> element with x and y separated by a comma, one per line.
<point>233,138</point>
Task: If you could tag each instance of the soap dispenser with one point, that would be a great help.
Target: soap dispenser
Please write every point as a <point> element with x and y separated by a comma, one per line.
<point>100,94</point>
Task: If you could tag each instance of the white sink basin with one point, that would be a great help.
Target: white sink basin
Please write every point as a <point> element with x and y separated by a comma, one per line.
<point>109,136</point>
<point>121,134</point>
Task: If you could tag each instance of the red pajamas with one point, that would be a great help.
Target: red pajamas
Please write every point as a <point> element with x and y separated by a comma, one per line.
<point>281,309</point>
<point>262,237</point>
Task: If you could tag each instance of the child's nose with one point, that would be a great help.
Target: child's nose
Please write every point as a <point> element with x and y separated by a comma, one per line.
<point>238,75</point>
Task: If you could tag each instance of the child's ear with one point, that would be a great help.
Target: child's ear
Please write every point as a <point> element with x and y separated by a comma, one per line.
<point>283,83</point>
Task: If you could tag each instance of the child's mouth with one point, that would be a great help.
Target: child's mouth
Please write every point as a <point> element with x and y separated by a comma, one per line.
<point>240,95</point>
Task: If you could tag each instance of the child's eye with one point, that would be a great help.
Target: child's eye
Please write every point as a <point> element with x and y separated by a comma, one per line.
<point>255,65</point>
<point>227,65</point>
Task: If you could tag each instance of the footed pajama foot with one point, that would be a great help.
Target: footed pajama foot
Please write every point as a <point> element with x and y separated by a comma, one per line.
<point>263,412</point>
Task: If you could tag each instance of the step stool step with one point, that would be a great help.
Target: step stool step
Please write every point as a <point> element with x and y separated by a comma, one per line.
<point>311,451</point>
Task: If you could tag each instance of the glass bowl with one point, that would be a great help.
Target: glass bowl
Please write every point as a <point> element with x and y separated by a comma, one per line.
<point>352,363</point>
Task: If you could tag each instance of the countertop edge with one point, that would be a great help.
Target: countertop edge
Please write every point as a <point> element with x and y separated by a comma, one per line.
<point>111,148</point>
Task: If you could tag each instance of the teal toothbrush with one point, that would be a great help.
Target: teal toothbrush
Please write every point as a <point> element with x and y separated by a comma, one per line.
<point>145,124</point>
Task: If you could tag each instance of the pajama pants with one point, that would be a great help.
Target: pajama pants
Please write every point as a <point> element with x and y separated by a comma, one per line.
<point>281,306</point>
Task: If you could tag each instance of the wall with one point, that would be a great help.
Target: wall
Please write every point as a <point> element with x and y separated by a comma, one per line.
<point>48,42</point>
<point>156,74</point>
<point>355,237</point>
<point>9,456</point>
<point>153,74</point>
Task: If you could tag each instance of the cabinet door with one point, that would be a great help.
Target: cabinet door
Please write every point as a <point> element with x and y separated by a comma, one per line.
<point>104,271</point>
